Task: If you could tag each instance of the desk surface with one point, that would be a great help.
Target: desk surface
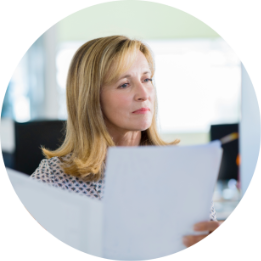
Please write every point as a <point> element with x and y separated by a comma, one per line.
<point>224,209</point>
<point>226,198</point>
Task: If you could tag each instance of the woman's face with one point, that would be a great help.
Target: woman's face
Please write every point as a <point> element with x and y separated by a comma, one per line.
<point>128,103</point>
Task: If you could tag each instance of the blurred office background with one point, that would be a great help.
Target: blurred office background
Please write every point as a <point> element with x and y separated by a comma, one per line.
<point>198,83</point>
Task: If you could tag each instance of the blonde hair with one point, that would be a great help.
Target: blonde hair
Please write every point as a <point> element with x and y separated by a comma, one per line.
<point>87,139</point>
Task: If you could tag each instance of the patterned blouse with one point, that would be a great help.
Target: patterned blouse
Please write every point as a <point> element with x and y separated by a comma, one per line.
<point>51,172</point>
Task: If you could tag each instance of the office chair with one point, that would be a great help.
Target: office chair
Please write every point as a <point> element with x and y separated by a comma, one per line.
<point>30,136</point>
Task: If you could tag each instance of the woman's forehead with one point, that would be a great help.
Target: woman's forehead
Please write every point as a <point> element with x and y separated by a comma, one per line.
<point>126,65</point>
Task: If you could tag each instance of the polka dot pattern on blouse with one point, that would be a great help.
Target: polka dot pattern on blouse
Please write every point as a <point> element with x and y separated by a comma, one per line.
<point>51,172</point>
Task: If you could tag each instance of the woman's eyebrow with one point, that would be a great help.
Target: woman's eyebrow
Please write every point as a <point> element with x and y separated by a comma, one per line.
<point>128,75</point>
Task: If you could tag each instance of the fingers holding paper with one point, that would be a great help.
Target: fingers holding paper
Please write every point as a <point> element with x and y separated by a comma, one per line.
<point>209,226</point>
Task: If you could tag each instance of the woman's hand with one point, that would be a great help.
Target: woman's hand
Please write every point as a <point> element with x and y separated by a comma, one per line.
<point>209,226</point>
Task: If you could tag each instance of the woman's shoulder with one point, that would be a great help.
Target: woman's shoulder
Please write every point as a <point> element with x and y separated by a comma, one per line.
<point>50,172</point>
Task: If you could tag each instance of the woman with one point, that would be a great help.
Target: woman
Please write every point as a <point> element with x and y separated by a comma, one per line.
<point>111,101</point>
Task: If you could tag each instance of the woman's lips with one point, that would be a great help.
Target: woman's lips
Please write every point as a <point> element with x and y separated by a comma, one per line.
<point>142,111</point>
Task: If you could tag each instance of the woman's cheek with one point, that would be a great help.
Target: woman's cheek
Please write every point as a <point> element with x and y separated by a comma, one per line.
<point>123,102</point>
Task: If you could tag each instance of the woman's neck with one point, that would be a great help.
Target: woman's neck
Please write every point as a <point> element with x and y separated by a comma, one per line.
<point>129,138</point>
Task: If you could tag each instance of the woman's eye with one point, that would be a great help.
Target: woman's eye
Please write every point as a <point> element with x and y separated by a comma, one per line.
<point>148,80</point>
<point>124,85</point>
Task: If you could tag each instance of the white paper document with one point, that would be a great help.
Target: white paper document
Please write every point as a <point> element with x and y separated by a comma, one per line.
<point>75,220</point>
<point>153,197</point>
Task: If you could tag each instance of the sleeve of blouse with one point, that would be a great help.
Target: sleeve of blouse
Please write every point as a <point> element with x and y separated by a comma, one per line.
<point>43,173</point>
<point>213,213</point>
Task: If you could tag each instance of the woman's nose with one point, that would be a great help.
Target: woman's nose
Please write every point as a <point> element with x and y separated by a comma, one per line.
<point>141,86</point>
<point>142,91</point>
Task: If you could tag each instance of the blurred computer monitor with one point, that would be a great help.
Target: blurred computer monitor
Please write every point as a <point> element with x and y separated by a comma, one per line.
<point>229,168</point>
<point>249,131</point>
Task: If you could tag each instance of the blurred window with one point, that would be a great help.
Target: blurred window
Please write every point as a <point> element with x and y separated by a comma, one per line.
<point>24,98</point>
